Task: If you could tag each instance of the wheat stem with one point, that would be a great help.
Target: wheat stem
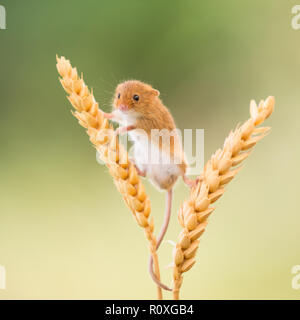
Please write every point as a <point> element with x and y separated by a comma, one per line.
<point>112,153</point>
<point>218,171</point>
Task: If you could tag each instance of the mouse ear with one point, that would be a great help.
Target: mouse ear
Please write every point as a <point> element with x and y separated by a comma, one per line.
<point>156,92</point>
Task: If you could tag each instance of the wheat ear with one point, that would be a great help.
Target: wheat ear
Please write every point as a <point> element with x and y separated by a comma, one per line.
<point>218,171</point>
<point>112,153</point>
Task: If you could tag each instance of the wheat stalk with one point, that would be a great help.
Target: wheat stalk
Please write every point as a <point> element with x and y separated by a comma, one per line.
<point>112,153</point>
<point>217,173</point>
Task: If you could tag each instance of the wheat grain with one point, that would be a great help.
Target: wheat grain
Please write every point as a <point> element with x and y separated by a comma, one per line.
<point>102,135</point>
<point>217,173</point>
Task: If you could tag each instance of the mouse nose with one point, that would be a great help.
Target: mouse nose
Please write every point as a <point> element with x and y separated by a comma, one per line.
<point>123,107</point>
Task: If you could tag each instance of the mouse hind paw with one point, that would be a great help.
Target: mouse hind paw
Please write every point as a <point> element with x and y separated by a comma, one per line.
<point>189,182</point>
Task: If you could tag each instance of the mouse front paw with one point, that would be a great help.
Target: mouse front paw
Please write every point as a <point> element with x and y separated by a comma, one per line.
<point>107,115</point>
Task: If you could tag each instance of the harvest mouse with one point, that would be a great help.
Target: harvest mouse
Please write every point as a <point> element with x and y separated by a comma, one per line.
<point>158,153</point>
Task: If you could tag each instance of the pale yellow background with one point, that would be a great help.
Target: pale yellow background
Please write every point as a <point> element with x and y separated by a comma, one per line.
<point>65,232</point>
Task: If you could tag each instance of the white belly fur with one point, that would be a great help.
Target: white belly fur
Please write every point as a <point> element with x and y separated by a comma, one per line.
<point>157,166</point>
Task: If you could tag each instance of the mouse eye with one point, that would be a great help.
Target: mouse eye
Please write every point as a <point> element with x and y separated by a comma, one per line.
<point>136,97</point>
<point>119,95</point>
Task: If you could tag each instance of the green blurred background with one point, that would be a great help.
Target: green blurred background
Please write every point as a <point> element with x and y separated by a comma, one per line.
<point>65,232</point>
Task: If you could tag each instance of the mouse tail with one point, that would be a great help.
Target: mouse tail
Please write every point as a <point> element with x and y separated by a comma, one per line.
<point>163,230</point>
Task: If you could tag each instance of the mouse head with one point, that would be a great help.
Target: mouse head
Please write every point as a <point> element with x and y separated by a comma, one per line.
<point>134,95</point>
